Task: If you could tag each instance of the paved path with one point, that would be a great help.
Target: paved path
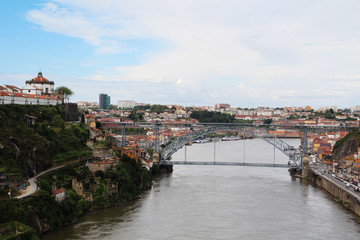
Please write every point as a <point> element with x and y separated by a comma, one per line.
<point>32,187</point>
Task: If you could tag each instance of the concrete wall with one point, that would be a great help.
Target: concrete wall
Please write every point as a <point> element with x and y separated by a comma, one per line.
<point>350,201</point>
<point>102,152</point>
<point>71,112</point>
<point>78,187</point>
<point>99,166</point>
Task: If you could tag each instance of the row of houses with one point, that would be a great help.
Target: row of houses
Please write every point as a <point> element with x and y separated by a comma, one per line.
<point>29,99</point>
<point>348,168</point>
<point>37,91</point>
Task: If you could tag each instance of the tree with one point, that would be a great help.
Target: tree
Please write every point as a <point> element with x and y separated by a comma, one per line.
<point>99,173</point>
<point>158,108</point>
<point>57,121</point>
<point>268,121</point>
<point>98,125</point>
<point>135,116</point>
<point>65,91</point>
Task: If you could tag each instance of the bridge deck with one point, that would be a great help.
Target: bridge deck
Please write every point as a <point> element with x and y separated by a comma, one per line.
<point>278,165</point>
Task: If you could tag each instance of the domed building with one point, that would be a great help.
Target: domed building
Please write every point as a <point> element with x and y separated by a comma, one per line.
<point>37,91</point>
<point>39,85</point>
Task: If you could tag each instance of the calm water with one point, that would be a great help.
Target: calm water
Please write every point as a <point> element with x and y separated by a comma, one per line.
<point>223,202</point>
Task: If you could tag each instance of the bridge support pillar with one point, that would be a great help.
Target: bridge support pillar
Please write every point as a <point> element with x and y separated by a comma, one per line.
<point>305,166</point>
<point>166,168</point>
<point>157,168</point>
<point>155,160</point>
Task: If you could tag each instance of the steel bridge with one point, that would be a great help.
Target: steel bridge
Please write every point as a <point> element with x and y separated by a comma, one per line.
<point>290,151</point>
<point>195,131</point>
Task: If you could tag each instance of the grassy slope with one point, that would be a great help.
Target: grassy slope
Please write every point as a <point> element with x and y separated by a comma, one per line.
<point>27,150</point>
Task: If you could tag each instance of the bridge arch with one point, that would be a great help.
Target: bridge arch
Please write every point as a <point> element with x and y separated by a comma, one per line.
<point>294,154</point>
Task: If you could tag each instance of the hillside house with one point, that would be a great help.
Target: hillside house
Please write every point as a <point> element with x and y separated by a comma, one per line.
<point>60,194</point>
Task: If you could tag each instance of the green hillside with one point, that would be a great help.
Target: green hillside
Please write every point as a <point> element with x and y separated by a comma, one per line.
<point>26,149</point>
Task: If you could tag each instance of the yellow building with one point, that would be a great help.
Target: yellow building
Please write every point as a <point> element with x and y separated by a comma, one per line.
<point>308,108</point>
<point>93,124</point>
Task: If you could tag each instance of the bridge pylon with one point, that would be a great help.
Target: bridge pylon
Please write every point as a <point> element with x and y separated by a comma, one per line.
<point>305,166</point>
<point>155,158</point>
<point>157,136</point>
<point>157,168</point>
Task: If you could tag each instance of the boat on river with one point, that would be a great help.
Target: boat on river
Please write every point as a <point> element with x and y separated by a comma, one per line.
<point>230,139</point>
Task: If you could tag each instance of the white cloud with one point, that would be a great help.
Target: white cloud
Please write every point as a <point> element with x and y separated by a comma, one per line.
<point>241,85</point>
<point>73,23</point>
<point>179,81</point>
<point>97,78</point>
<point>269,48</point>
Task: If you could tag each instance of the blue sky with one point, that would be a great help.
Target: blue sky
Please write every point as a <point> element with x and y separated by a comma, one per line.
<point>247,53</point>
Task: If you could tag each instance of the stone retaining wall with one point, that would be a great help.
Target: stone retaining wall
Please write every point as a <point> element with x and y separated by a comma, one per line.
<point>344,197</point>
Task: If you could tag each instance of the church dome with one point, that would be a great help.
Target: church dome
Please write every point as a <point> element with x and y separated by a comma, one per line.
<point>40,79</point>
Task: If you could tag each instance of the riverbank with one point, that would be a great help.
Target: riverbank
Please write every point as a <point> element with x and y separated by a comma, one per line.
<point>343,196</point>
<point>43,213</point>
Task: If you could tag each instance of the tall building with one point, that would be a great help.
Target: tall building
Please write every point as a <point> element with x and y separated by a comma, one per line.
<point>104,101</point>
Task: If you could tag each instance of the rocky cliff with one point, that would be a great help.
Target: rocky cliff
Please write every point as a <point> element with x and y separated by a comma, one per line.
<point>347,146</point>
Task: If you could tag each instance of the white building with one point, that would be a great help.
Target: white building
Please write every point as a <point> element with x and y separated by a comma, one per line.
<point>355,108</point>
<point>126,104</point>
<point>30,89</point>
<point>82,104</point>
<point>41,84</point>
<point>324,109</point>
<point>60,194</point>
<point>37,91</point>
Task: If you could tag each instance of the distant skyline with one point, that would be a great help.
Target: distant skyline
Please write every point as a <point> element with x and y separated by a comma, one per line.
<point>247,53</point>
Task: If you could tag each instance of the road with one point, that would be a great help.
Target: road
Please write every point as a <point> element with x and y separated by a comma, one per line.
<point>320,170</point>
<point>32,187</point>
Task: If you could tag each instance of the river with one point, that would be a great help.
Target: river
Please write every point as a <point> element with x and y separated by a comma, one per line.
<point>223,202</point>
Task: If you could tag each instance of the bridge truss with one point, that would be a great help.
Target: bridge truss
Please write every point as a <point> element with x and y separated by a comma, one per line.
<point>293,153</point>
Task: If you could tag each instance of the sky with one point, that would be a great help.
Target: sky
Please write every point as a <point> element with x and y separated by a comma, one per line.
<point>246,53</point>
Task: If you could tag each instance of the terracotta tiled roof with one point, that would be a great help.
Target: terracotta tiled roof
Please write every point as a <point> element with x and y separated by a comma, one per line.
<point>5,94</point>
<point>19,95</point>
<point>39,78</point>
<point>57,191</point>
<point>13,88</point>
<point>31,95</point>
